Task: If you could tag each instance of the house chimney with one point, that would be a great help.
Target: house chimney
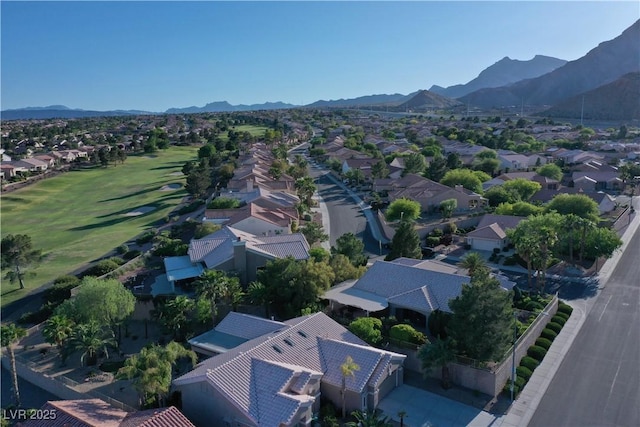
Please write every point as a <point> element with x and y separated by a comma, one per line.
<point>249,186</point>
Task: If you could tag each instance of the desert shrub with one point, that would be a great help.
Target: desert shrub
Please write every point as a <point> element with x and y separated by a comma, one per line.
<point>437,232</point>
<point>60,291</point>
<point>555,327</point>
<point>559,320</point>
<point>565,308</point>
<point>432,241</point>
<point>406,333</point>
<point>524,372</point>
<point>101,268</point>
<point>122,249</point>
<point>146,237</point>
<point>191,207</point>
<point>368,329</point>
<point>529,362</point>
<point>117,260</point>
<point>544,343</point>
<point>131,254</point>
<point>450,228</point>
<point>224,203</point>
<point>536,352</point>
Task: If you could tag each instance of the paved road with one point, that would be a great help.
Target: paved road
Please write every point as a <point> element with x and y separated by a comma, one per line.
<point>345,216</point>
<point>598,383</point>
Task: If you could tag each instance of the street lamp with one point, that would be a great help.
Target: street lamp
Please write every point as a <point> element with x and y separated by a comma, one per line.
<point>513,353</point>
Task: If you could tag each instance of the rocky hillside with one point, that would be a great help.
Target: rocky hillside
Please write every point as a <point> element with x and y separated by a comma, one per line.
<point>602,65</point>
<point>502,73</point>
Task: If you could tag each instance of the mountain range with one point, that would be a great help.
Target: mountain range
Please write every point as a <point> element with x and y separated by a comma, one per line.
<point>503,72</point>
<point>606,78</point>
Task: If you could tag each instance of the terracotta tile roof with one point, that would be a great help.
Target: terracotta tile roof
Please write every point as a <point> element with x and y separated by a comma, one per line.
<point>162,417</point>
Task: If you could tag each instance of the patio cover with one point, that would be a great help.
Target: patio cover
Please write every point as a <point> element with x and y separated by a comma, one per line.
<point>180,267</point>
<point>216,342</point>
<point>346,295</point>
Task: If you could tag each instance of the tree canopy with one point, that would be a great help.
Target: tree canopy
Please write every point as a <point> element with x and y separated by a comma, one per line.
<point>352,247</point>
<point>551,170</point>
<point>482,320</point>
<point>17,254</point>
<point>523,187</point>
<point>403,209</point>
<point>464,177</point>
<point>405,243</point>
<point>577,204</point>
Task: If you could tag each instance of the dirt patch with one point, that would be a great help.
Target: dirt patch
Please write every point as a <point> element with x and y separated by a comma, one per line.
<point>140,211</point>
<point>171,187</point>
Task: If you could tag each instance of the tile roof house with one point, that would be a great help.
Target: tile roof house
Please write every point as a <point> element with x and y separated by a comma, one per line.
<point>597,180</point>
<point>276,379</point>
<point>430,194</point>
<point>233,250</point>
<point>400,285</point>
<point>491,232</point>
<point>606,203</point>
<point>97,413</point>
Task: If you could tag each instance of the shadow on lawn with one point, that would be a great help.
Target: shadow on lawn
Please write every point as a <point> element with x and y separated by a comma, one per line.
<point>137,193</point>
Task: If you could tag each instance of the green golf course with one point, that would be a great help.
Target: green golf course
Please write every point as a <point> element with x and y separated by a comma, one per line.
<point>79,216</point>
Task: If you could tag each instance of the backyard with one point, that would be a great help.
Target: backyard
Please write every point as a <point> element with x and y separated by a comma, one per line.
<point>80,216</point>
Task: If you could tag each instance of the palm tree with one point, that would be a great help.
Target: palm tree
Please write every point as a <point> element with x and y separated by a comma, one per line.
<point>368,419</point>
<point>585,225</point>
<point>570,222</point>
<point>212,286</point>
<point>547,238</point>
<point>438,354</point>
<point>259,294</point>
<point>474,263</point>
<point>92,339</point>
<point>57,330</point>
<point>348,369</point>
<point>306,188</point>
<point>525,247</point>
<point>152,371</point>
<point>10,335</point>
<point>402,415</point>
<point>174,313</point>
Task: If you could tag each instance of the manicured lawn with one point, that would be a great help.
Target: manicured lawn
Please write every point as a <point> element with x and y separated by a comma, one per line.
<point>253,130</point>
<point>80,216</point>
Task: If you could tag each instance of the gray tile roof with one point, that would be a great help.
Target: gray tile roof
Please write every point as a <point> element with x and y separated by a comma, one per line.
<point>271,364</point>
<point>247,326</point>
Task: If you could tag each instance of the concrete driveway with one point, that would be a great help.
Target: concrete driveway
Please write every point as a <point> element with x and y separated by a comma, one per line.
<point>426,409</point>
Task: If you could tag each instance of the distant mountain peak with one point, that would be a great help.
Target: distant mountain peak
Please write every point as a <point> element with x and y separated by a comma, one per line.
<point>504,72</point>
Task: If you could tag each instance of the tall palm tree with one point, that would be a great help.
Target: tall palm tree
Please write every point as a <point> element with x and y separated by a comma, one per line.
<point>174,314</point>
<point>306,188</point>
<point>92,339</point>
<point>438,353</point>
<point>212,286</point>
<point>57,331</point>
<point>547,238</point>
<point>348,369</point>
<point>569,224</point>
<point>10,335</point>
<point>585,225</point>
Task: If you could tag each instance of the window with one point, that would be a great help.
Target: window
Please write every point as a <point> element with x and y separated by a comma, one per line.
<point>277,349</point>
<point>288,342</point>
<point>302,334</point>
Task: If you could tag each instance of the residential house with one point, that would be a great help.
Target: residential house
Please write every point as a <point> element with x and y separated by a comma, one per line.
<point>363,164</point>
<point>606,203</point>
<point>230,250</point>
<point>277,379</point>
<point>34,164</point>
<point>97,413</point>
<point>263,216</point>
<point>593,181</point>
<point>516,162</point>
<point>491,232</point>
<point>544,181</point>
<point>430,194</point>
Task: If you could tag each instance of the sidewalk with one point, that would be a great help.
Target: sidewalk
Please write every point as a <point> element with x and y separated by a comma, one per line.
<point>525,406</point>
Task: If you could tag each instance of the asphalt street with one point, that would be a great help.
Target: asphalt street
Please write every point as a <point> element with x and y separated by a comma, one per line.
<point>598,382</point>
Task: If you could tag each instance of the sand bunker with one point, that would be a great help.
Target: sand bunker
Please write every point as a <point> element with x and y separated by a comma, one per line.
<point>176,174</point>
<point>140,211</point>
<point>171,187</point>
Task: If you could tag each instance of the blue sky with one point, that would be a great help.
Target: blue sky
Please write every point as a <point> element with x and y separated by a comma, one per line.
<point>157,55</point>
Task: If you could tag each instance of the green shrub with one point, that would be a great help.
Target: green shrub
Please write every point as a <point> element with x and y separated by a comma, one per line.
<point>432,241</point>
<point>437,323</point>
<point>131,255</point>
<point>544,343</point>
<point>524,372</point>
<point>205,229</point>
<point>224,203</point>
<point>555,327</point>
<point>437,232</point>
<point>529,362</point>
<point>533,306</point>
<point>146,237</point>
<point>191,207</point>
<point>117,260</point>
<point>406,333</point>
<point>536,352</point>
<point>565,308</point>
<point>507,389</point>
<point>559,320</point>
<point>520,382</point>
<point>510,260</point>
<point>368,329</point>
<point>548,334</point>
<point>101,268</point>
<point>60,291</point>
<point>122,249</point>
<point>565,316</point>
